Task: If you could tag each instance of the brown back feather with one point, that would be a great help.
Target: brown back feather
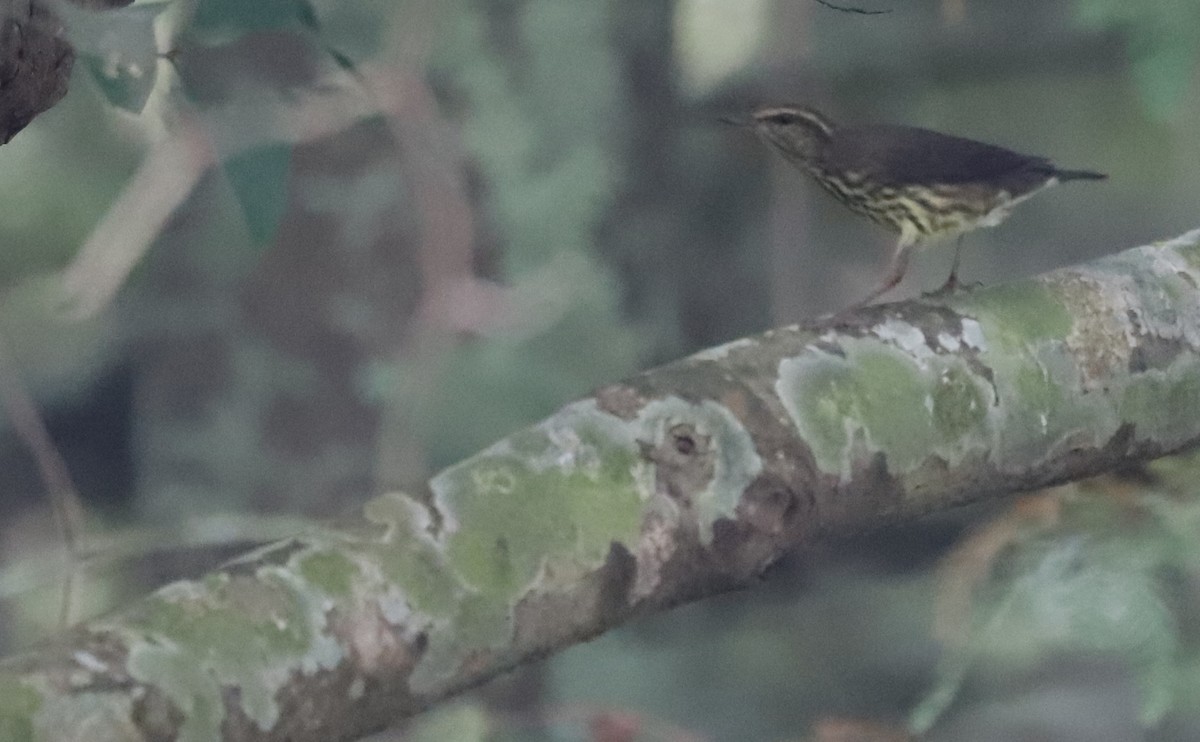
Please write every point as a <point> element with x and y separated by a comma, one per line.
<point>900,155</point>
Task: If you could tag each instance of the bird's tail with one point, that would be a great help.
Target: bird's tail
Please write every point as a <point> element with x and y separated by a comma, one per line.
<point>1064,175</point>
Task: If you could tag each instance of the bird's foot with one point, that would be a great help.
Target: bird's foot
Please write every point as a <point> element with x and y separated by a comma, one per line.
<point>951,287</point>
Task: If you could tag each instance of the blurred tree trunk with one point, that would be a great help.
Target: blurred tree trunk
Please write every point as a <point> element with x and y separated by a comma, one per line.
<point>642,237</point>
<point>683,481</point>
<point>250,385</point>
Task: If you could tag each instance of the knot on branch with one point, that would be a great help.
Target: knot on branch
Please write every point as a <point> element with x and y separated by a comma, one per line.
<point>685,462</point>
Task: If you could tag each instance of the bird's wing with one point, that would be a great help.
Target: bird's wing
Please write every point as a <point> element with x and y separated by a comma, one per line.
<point>901,155</point>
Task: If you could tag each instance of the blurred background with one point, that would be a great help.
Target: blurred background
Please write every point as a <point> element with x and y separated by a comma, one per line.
<point>269,259</point>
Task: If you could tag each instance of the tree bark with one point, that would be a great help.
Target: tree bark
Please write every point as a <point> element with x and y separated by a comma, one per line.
<point>35,63</point>
<point>678,483</point>
<point>35,59</point>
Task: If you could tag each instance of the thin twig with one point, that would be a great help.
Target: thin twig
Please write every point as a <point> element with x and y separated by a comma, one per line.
<point>455,299</point>
<point>108,550</point>
<point>849,9</point>
<point>65,502</point>
<point>170,171</point>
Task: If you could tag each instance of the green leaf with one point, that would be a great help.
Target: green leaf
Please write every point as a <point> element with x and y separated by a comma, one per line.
<point>1162,39</point>
<point>123,85</point>
<point>341,60</point>
<point>118,49</point>
<point>1164,73</point>
<point>1091,585</point>
<point>222,21</point>
<point>260,182</point>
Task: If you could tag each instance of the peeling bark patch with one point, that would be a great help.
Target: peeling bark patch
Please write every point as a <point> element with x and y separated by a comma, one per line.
<point>880,399</point>
<point>18,703</point>
<point>99,718</point>
<point>1098,339</point>
<point>600,484</point>
<point>577,472</point>
<point>657,545</point>
<point>1044,403</point>
<point>191,644</point>
<point>1165,401</point>
<point>1032,371</point>
<point>378,646</point>
<point>412,563</point>
<point>1044,410</point>
<point>620,400</point>
<point>329,570</point>
<point>1127,358</point>
<point>580,471</point>
<point>1156,285</point>
<point>903,335</point>
<point>960,404</point>
<point>1022,313</point>
<point>972,335</point>
<point>721,351</point>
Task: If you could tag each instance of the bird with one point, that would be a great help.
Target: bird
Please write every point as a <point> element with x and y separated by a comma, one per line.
<point>923,185</point>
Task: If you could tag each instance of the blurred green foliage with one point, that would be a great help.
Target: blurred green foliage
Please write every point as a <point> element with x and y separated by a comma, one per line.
<point>358,29</point>
<point>57,179</point>
<point>1162,38</point>
<point>118,49</point>
<point>259,178</point>
<point>1105,577</point>
<point>222,21</point>
<point>538,118</point>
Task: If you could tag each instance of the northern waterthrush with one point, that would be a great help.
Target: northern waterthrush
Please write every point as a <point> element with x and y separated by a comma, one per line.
<point>921,184</point>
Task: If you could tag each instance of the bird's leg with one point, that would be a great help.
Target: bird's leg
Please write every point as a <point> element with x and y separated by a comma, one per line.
<point>896,271</point>
<point>951,283</point>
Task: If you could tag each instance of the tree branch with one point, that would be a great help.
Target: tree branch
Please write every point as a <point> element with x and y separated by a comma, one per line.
<point>35,63</point>
<point>851,9</point>
<point>678,483</point>
<point>35,59</point>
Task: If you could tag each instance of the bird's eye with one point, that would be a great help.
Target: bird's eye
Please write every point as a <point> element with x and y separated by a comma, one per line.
<point>783,118</point>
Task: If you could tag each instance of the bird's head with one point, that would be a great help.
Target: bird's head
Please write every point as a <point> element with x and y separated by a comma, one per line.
<point>797,132</point>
